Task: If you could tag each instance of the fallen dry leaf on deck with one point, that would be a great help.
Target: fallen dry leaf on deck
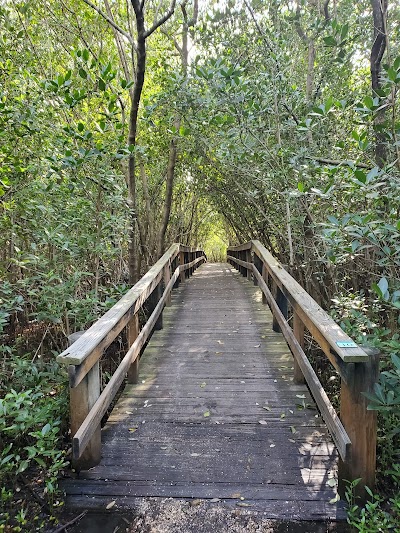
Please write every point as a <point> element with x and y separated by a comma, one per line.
<point>335,499</point>
<point>111,504</point>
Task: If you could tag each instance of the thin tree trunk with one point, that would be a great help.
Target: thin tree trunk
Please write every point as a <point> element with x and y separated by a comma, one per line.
<point>379,11</point>
<point>169,189</point>
<point>133,118</point>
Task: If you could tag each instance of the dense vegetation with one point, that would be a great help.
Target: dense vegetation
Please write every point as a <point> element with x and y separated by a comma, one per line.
<point>125,127</point>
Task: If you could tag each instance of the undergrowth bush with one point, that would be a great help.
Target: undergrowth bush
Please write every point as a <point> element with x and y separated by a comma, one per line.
<point>33,407</point>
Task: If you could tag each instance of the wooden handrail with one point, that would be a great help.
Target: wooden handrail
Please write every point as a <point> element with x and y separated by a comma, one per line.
<point>354,431</point>
<point>87,404</point>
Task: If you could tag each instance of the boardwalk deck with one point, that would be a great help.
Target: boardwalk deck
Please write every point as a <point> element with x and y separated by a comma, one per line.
<point>216,414</point>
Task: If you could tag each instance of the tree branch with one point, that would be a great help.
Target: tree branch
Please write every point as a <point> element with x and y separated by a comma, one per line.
<point>336,162</point>
<point>161,21</point>
<point>111,22</point>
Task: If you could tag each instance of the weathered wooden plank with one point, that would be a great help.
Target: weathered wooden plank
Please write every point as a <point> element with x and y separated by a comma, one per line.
<point>273,509</point>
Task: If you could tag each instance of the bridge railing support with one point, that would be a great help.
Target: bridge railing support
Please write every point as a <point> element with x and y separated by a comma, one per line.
<point>87,403</point>
<point>354,430</point>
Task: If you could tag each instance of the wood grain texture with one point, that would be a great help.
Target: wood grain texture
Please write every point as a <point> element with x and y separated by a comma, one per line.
<point>191,427</point>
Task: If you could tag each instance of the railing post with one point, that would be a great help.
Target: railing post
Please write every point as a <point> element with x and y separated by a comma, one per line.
<point>281,300</point>
<point>167,277</point>
<point>298,331</point>
<point>248,259</point>
<point>152,302</point>
<point>242,257</point>
<point>182,262</point>
<point>264,274</point>
<point>360,424</point>
<point>132,331</point>
<point>191,258</point>
<point>82,399</point>
<point>187,260</point>
<point>258,264</point>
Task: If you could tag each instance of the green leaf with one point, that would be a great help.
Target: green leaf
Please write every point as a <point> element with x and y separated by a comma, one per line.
<point>368,102</point>
<point>392,74</point>
<point>360,176</point>
<point>383,286</point>
<point>345,31</point>
<point>83,73</point>
<point>184,131</point>
<point>330,41</point>
<point>46,429</point>
<point>81,127</point>
<point>102,84</point>
<point>333,220</point>
<point>85,54</point>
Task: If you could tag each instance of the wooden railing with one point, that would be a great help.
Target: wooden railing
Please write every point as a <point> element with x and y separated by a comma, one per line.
<point>87,404</point>
<point>354,431</point>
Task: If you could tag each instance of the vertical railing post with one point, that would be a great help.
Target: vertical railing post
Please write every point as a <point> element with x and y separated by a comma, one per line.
<point>360,424</point>
<point>192,256</point>
<point>181,263</point>
<point>167,278</point>
<point>264,273</point>
<point>249,259</point>
<point>132,331</point>
<point>298,331</point>
<point>187,260</point>
<point>82,399</point>
<point>258,264</point>
<point>152,302</point>
<point>242,257</point>
<point>281,300</point>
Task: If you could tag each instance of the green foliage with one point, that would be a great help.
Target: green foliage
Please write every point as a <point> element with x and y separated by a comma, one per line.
<point>376,516</point>
<point>32,421</point>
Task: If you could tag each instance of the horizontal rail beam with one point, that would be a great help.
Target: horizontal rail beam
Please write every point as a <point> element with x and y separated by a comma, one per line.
<point>331,418</point>
<point>105,330</point>
<point>316,320</point>
<point>93,419</point>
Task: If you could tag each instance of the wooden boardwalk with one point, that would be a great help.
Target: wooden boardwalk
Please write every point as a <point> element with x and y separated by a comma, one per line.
<point>216,414</point>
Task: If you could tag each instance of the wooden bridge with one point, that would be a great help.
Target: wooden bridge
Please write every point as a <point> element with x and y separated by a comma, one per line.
<point>221,409</point>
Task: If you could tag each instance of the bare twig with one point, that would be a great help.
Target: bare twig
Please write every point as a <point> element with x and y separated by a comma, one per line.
<point>70,523</point>
<point>111,22</point>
